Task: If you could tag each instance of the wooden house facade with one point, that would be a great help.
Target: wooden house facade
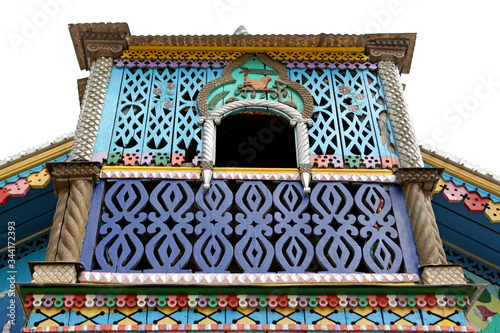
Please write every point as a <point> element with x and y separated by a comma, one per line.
<point>246,183</point>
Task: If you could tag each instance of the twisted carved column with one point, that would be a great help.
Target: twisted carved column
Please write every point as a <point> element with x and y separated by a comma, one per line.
<point>423,222</point>
<point>75,220</point>
<point>55,231</point>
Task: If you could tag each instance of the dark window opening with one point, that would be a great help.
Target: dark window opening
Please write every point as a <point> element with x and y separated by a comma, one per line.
<point>257,140</point>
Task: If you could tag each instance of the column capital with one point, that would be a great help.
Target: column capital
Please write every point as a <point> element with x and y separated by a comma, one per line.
<point>94,40</point>
<point>428,177</point>
<point>64,172</point>
<point>395,50</point>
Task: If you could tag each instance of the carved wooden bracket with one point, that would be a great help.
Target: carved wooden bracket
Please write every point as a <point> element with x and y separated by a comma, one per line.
<point>62,172</point>
<point>429,177</point>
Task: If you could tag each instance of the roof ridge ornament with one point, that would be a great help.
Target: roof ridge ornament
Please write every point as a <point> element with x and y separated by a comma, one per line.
<point>241,30</point>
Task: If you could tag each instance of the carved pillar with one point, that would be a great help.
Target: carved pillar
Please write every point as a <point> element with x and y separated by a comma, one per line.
<point>418,185</point>
<point>91,109</point>
<point>397,108</point>
<point>73,183</point>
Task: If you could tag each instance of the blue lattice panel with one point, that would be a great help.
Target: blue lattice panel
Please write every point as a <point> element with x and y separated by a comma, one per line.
<point>324,133</point>
<point>44,317</point>
<point>357,130</point>
<point>89,316</point>
<point>325,316</point>
<point>382,124</point>
<point>187,133</point>
<point>247,316</point>
<point>167,316</point>
<point>133,105</point>
<point>402,316</point>
<point>160,118</point>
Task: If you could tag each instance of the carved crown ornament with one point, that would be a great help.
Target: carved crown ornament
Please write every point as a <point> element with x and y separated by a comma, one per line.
<point>254,76</point>
<point>255,82</point>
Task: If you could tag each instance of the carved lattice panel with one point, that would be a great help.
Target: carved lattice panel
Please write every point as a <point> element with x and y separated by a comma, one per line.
<point>358,134</point>
<point>324,136</point>
<point>177,226</point>
<point>133,104</point>
<point>160,118</point>
<point>383,128</point>
<point>187,132</point>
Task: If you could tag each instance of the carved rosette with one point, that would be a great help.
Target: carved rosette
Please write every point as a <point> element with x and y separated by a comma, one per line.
<point>73,183</point>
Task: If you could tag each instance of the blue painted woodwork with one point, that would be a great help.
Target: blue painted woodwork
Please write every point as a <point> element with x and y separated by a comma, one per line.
<point>186,130</point>
<point>103,139</point>
<point>80,318</point>
<point>121,248</point>
<point>167,315</point>
<point>92,227</point>
<point>324,133</point>
<point>22,275</point>
<point>373,315</point>
<point>167,250</point>
<point>285,315</point>
<point>485,271</point>
<point>293,250</point>
<point>213,251</point>
<point>133,104</point>
<point>333,202</point>
<point>381,253</point>
<point>28,221</point>
<point>150,226</point>
<point>327,316</point>
<point>160,118</point>
<point>454,223</point>
<point>403,224</point>
<point>254,252</point>
<point>391,317</point>
<point>257,315</point>
<point>376,104</point>
<point>356,124</point>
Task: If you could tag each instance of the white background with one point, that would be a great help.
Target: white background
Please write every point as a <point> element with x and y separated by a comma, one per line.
<point>453,89</point>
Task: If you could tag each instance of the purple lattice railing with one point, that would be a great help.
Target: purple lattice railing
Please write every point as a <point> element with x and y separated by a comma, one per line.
<point>176,226</point>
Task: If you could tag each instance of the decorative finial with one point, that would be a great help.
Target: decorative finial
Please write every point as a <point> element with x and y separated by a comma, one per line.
<point>241,31</point>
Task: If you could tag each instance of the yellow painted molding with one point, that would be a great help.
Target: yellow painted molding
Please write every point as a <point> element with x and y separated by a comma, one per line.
<point>463,174</point>
<point>35,159</point>
<point>150,168</point>
<point>353,171</point>
<point>245,49</point>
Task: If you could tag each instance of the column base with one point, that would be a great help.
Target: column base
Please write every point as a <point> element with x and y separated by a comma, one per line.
<point>55,272</point>
<point>443,274</point>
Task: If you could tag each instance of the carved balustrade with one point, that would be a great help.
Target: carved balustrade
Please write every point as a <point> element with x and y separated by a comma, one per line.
<point>175,226</point>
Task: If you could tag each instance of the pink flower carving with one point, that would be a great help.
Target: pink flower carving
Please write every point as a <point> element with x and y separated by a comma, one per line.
<point>157,91</point>
<point>360,96</point>
<point>169,104</point>
<point>344,89</point>
<point>353,108</point>
<point>170,86</point>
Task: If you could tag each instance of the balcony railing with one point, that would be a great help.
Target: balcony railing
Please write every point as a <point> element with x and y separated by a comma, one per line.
<point>174,226</point>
